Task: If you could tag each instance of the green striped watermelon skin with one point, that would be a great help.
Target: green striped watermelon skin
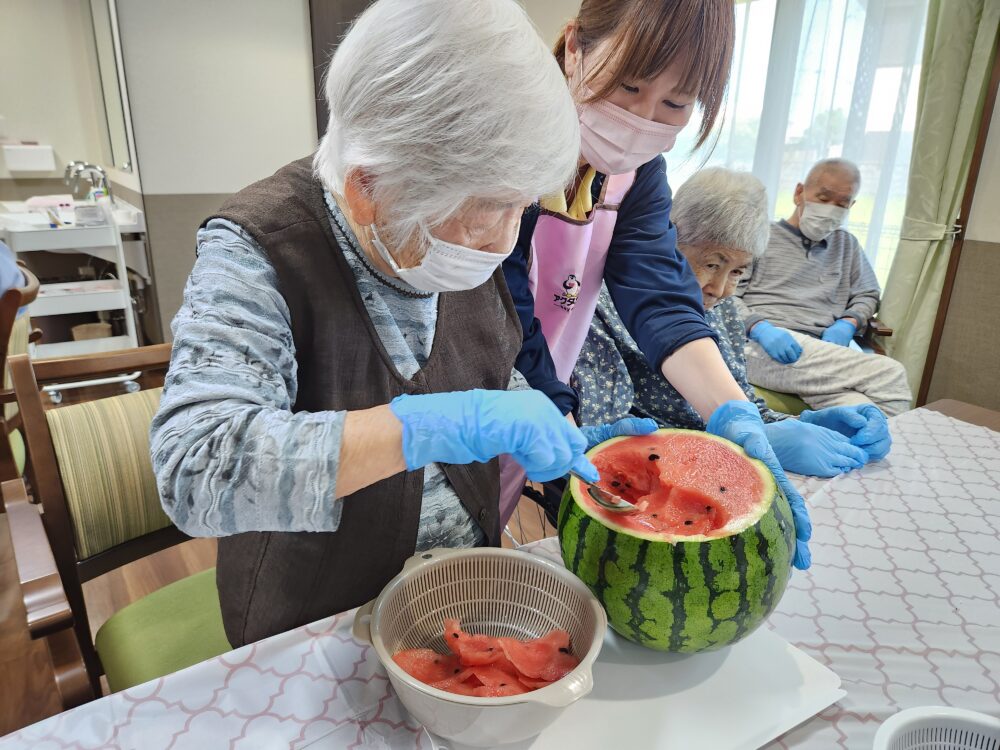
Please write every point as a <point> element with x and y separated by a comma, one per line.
<point>686,597</point>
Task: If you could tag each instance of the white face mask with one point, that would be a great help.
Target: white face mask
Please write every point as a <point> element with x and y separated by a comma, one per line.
<point>612,139</point>
<point>445,267</point>
<point>819,219</point>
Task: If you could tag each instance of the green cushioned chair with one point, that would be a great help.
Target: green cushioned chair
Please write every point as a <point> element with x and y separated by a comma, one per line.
<point>170,629</point>
<point>786,403</point>
<point>90,469</point>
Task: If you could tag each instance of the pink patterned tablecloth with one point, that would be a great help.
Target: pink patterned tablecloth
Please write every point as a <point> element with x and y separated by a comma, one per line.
<point>902,602</point>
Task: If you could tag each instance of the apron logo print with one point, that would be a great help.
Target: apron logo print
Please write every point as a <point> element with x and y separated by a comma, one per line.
<point>567,298</point>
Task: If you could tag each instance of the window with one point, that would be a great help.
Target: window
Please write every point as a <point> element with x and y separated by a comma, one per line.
<point>819,78</point>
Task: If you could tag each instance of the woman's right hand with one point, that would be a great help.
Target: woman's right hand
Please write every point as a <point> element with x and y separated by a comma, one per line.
<point>468,426</point>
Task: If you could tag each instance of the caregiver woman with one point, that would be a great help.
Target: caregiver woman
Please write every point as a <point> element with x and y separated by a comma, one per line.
<point>636,69</point>
<point>337,394</point>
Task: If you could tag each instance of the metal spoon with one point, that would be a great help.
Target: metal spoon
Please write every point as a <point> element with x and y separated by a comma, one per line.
<point>604,498</point>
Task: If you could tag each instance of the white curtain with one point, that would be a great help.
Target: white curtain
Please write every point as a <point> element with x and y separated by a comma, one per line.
<point>818,78</point>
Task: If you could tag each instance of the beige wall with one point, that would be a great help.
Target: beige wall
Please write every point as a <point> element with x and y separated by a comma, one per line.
<point>50,88</point>
<point>551,15</point>
<point>984,219</point>
<point>221,92</point>
<point>968,363</point>
<point>221,95</point>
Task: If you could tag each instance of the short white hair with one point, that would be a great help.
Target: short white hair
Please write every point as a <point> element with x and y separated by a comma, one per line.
<point>845,167</point>
<point>440,101</point>
<point>719,207</point>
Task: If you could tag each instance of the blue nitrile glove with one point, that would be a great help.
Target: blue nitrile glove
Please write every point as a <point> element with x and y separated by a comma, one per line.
<point>629,426</point>
<point>468,426</point>
<point>810,449</point>
<point>780,345</point>
<point>840,333</point>
<point>865,425</point>
<point>740,422</point>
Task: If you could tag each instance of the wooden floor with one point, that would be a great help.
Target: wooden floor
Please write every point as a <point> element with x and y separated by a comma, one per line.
<point>26,690</point>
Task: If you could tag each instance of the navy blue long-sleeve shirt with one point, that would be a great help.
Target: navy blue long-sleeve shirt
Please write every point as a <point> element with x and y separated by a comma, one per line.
<point>650,281</point>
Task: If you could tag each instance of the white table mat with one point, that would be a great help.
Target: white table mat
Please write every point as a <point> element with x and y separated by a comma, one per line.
<point>901,602</point>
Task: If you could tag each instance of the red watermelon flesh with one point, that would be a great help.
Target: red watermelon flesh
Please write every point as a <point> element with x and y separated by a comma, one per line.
<point>489,667</point>
<point>683,485</point>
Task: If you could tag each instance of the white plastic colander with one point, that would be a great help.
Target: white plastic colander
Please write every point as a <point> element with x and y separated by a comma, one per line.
<point>496,592</point>
<point>938,728</point>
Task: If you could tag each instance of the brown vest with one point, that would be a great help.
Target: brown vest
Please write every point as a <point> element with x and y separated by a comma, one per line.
<point>270,582</point>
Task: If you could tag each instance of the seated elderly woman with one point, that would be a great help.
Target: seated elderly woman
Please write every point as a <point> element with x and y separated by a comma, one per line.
<point>722,225</point>
<point>339,386</point>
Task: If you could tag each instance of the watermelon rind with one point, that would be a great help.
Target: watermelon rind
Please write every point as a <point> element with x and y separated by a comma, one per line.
<point>688,596</point>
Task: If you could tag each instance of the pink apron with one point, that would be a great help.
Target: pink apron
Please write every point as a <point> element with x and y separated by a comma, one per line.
<point>565,272</point>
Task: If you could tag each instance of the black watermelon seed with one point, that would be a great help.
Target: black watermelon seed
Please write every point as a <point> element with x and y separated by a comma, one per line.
<point>503,684</point>
<point>564,650</point>
<point>454,635</point>
<point>653,457</point>
<point>616,484</point>
<point>457,671</point>
<point>708,508</point>
<point>654,515</point>
<point>437,661</point>
<point>490,648</point>
<point>688,522</point>
<point>722,489</point>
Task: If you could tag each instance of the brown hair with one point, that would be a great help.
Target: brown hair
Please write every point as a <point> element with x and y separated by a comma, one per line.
<point>647,36</point>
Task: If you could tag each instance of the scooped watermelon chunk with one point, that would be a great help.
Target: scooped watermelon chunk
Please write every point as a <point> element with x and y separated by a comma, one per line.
<point>492,676</point>
<point>489,667</point>
<point>464,681</point>
<point>428,666</point>
<point>472,649</point>
<point>546,658</point>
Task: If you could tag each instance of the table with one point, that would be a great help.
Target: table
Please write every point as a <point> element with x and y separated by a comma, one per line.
<point>967,413</point>
<point>901,602</point>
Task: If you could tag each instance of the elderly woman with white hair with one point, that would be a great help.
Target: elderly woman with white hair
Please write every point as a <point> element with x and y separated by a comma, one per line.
<point>722,226</point>
<point>340,385</point>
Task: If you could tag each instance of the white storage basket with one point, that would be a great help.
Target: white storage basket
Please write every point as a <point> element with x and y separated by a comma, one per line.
<point>939,728</point>
<point>496,592</point>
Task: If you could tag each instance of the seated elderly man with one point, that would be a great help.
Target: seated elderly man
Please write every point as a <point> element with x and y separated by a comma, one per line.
<point>722,227</point>
<point>804,301</point>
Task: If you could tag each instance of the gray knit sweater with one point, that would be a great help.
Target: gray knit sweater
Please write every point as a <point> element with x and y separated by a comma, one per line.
<point>805,286</point>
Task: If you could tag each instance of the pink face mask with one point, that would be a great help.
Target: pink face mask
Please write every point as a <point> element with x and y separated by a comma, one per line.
<point>612,139</point>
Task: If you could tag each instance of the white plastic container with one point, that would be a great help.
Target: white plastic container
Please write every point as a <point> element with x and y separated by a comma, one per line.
<point>938,728</point>
<point>497,592</point>
<point>21,157</point>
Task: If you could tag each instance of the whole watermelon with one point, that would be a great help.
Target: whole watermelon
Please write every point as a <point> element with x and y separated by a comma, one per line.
<point>705,558</point>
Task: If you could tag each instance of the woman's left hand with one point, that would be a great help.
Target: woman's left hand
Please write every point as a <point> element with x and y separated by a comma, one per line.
<point>864,425</point>
<point>740,422</point>
<point>629,426</point>
<point>813,450</point>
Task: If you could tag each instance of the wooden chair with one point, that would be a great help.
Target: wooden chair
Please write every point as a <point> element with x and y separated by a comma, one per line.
<point>15,335</point>
<point>90,470</point>
<point>875,328</point>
